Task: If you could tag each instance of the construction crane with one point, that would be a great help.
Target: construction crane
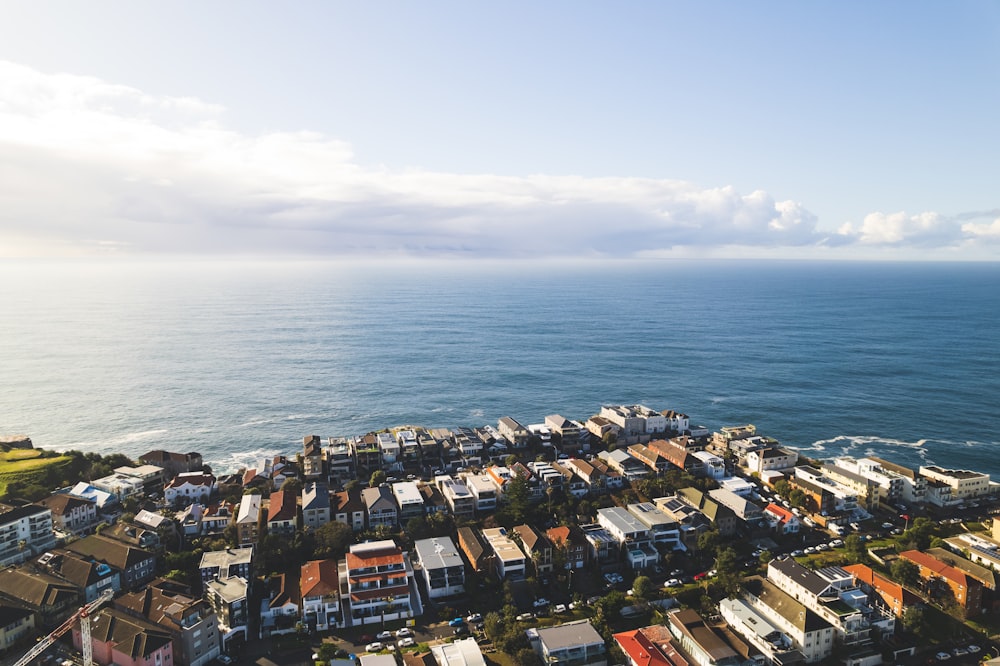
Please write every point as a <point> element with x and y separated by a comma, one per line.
<point>83,615</point>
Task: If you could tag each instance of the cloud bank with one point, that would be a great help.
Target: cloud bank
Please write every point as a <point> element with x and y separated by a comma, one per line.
<point>88,167</point>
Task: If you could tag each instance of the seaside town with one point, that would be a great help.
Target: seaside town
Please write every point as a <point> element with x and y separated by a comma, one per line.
<point>631,537</point>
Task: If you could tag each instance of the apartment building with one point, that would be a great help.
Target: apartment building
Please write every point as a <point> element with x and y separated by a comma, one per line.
<point>515,433</point>
<point>483,490</point>
<point>943,580</point>
<point>190,621</point>
<point>965,484</point>
<point>620,460</point>
<point>509,560</point>
<point>634,538</point>
<point>664,530</point>
<point>571,644</point>
<point>770,459</point>
<point>378,579</point>
<point>573,436</point>
<point>914,485</point>
<point>573,543</point>
<point>811,635</point>
<point>72,514</point>
<point>25,531</point>
<point>441,566</point>
<point>315,505</point>
<point>409,500</point>
<point>460,500</point>
<point>537,547</point>
<point>744,509</point>
<point>699,641</point>
<point>319,592</point>
<point>229,599</point>
<point>228,563</point>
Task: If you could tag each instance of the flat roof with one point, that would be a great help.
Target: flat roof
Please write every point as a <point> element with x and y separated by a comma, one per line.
<point>571,634</point>
<point>437,553</point>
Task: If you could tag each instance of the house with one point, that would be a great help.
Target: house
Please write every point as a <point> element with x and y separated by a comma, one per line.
<point>134,535</point>
<point>744,509</point>
<point>229,598</point>
<point>315,505</point>
<point>537,547</point>
<point>120,485</point>
<point>441,566</point>
<point>722,517</point>
<point>282,513</point>
<point>433,499</point>
<point>51,598</point>
<point>939,577</point>
<point>664,530</point>
<point>17,625</point>
<point>348,508</point>
<point>604,548</point>
<point>700,641</point>
<point>380,506</point>
<point>312,457</point>
<point>25,531</point>
<point>189,487</point>
<point>483,490</point>
<point>87,574</point>
<point>366,452</point>
<point>619,460</point>
<point>573,436</point>
<point>72,514</point>
<point>119,639</point>
<point>319,590</point>
<point>781,519</point>
<point>151,476</point>
<point>649,646</point>
<point>633,536</point>
<point>457,496</point>
<point>228,563</point>
<point>463,652</point>
<point>573,543</point>
<point>593,479</point>
<point>712,465</point>
<point>773,644</point>
<point>680,451</point>
<point>409,500</point>
<point>279,610</point>
<point>894,595</point>
<point>771,458</point>
<point>515,433</point>
<point>340,460</point>
<point>137,566</point>
<point>173,463</point>
<point>613,479</point>
<point>378,580</point>
<point>571,644</point>
<point>106,502</point>
<point>691,522</point>
<point>811,635</point>
<point>409,447</point>
<point>248,520</point>
<point>649,457</point>
<point>509,560</point>
<point>190,621</point>
<point>603,429</point>
<point>478,556</point>
<point>390,451</point>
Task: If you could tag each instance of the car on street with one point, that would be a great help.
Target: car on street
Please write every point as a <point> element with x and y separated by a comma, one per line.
<point>524,617</point>
<point>701,576</point>
<point>383,636</point>
<point>610,578</point>
<point>456,622</point>
<point>374,647</point>
<point>942,656</point>
<point>672,582</point>
<point>960,652</point>
<point>973,649</point>
<point>406,642</point>
<point>404,632</point>
<point>559,608</point>
<point>225,659</point>
<point>474,618</point>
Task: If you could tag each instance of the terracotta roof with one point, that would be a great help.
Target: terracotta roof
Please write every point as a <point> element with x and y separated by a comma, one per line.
<point>780,512</point>
<point>640,650</point>
<point>937,566</point>
<point>319,578</point>
<point>282,506</point>
<point>374,560</point>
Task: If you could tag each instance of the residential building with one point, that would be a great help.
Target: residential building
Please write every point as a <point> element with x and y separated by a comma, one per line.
<point>825,494</point>
<point>604,548</point>
<point>573,543</point>
<point>173,463</point>
<point>613,479</point>
<point>632,423</point>
<point>943,580</point>
<point>89,575</point>
<point>248,520</point>
<point>409,500</point>
<point>409,447</point>
<point>676,422</point>
<point>134,535</point>
<point>380,506</point>
<point>51,598</point>
<point>483,490</point>
<point>679,452</point>
<point>515,433</point>
<point>712,465</point>
<point>106,502</point>
<point>433,499</point>
<point>914,485</point>
<point>603,429</point>
<point>620,460</point>
<point>664,530</point>
<point>378,580</point>
<point>509,560</point>
<point>17,625</point>
<point>441,566</point>
<point>479,558</point>
<point>312,458</point>
<point>633,536</point>
<point>71,514</point>
<point>279,610</point>
<point>340,460</point>
<point>862,485</point>
<point>590,475</point>
<point>366,452</point>
<point>781,519</point>
<point>228,597</point>
<point>537,547</point>
<point>650,458</point>
<point>722,517</point>
<point>463,652</point>
<point>888,485</point>
<point>189,487</point>
<point>469,445</point>
<point>896,597</point>
<point>315,505</point>
<point>573,436</point>
<point>571,484</point>
<point>771,458</point>
<point>571,644</point>
<point>691,521</point>
<point>811,635</point>
<point>319,590</point>
<point>965,484</point>
<point>25,531</point>
<point>457,495</point>
<point>121,640</point>
<point>776,646</point>
<point>137,566</point>
<point>744,509</point>
<point>390,450</point>
<point>650,646</point>
<point>699,641</point>
<point>151,476</point>
<point>190,621</point>
<point>282,513</point>
<point>348,508</point>
<point>228,563</point>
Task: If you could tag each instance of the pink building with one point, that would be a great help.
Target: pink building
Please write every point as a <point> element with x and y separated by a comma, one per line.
<point>117,638</point>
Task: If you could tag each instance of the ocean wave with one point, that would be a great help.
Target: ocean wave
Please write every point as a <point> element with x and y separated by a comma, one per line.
<point>240,459</point>
<point>120,440</point>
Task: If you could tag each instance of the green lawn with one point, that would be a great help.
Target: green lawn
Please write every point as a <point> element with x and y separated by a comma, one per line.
<point>25,466</point>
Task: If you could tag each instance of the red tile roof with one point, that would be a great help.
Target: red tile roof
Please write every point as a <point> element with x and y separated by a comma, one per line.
<point>937,566</point>
<point>319,578</point>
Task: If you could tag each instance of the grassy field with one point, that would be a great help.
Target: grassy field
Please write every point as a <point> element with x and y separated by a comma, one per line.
<point>26,466</point>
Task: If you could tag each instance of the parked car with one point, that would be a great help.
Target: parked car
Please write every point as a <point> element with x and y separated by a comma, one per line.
<point>406,642</point>
<point>973,649</point>
<point>943,656</point>
<point>701,576</point>
<point>960,652</point>
<point>673,582</point>
<point>524,617</point>
<point>374,647</point>
<point>474,618</point>
<point>225,659</point>
<point>404,632</point>
<point>559,608</point>
<point>456,622</point>
<point>383,636</point>
<point>610,578</point>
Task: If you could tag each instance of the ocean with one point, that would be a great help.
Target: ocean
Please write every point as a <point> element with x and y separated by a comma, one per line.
<point>240,359</point>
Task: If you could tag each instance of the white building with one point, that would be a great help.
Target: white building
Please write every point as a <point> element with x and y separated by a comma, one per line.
<point>633,537</point>
<point>319,590</point>
<point>378,579</point>
<point>571,644</point>
<point>189,487</point>
<point>25,531</point>
<point>715,467</point>
<point>509,560</point>
<point>441,566</point>
<point>484,490</point>
<point>463,652</point>
<point>964,484</point>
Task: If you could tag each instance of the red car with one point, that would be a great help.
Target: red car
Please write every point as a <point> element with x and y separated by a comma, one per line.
<point>701,576</point>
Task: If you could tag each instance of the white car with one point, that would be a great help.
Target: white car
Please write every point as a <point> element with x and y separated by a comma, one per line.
<point>943,656</point>
<point>474,618</point>
<point>384,636</point>
<point>406,642</point>
<point>225,659</point>
<point>559,608</point>
<point>610,578</point>
<point>673,582</point>
<point>374,647</point>
<point>973,649</point>
<point>405,632</point>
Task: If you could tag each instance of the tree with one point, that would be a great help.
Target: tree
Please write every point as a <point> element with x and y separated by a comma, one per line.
<point>905,572</point>
<point>854,549</point>
<point>728,571</point>
<point>782,487</point>
<point>915,621</point>
<point>292,485</point>
<point>797,498</point>
<point>642,587</point>
<point>377,479</point>
<point>332,539</point>
<point>708,542</point>
<point>518,501</point>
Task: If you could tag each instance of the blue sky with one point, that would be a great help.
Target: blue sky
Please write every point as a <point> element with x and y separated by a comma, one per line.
<point>563,129</point>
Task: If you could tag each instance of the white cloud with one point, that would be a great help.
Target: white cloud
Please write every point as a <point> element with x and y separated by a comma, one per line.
<point>82,159</point>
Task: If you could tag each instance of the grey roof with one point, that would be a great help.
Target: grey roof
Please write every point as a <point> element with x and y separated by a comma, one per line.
<point>808,579</point>
<point>790,609</point>
<point>315,496</point>
<point>569,635</point>
<point>437,553</point>
<point>226,558</point>
<point>229,589</point>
